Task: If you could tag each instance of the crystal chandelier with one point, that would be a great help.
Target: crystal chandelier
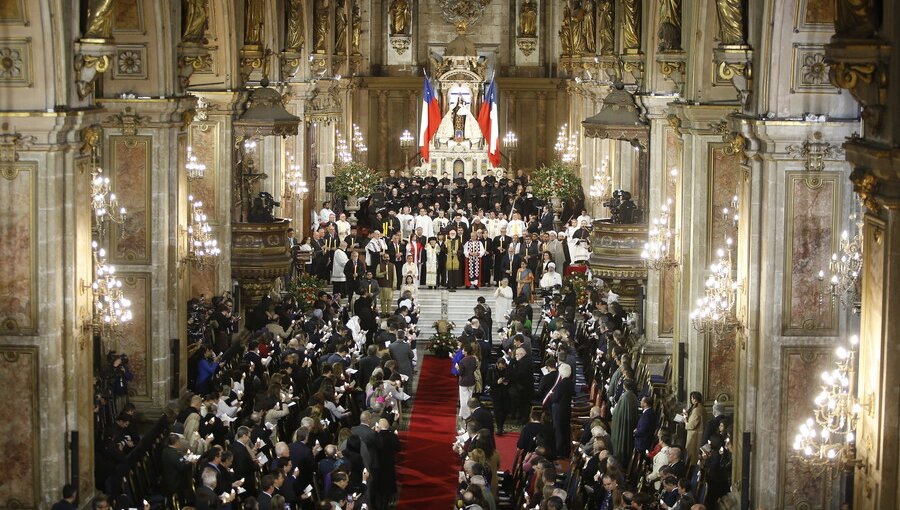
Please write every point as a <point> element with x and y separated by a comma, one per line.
<point>104,203</point>
<point>829,436</point>
<point>195,169</point>
<point>715,310</point>
<point>406,140</point>
<point>359,143</point>
<point>601,186</point>
<point>658,251</point>
<point>203,249</point>
<point>294,179</point>
<point>566,145</point>
<point>342,148</point>
<point>846,268</point>
<point>111,307</point>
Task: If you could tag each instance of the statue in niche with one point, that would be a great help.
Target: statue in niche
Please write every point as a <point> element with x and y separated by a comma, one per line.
<point>565,32</point>
<point>355,28</point>
<point>400,17</point>
<point>254,20</point>
<point>669,25</point>
<point>296,27</point>
<point>340,28</point>
<point>99,19</point>
<point>196,20</point>
<point>631,26</point>
<point>320,29</point>
<point>588,25</point>
<point>578,47</point>
<point>606,28</point>
<point>856,18</point>
<point>731,21</point>
<point>528,19</point>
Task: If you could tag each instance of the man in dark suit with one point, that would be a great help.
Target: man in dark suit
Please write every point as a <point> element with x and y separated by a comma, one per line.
<point>676,466</point>
<point>547,219</point>
<point>521,384</point>
<point>174,468</point>
<point>403,355</point>
<point>509,266</point>
<point>367,365</point>
<point>366,435</point>
<point>481,415</point>
<point>244,461</point>
<point>645,431</point>
<point>70,494</point>
<point>267,489</point>
<point>303,457</point>
<point>396,250</point>
<point>548,379</point>
<point>499,247</point>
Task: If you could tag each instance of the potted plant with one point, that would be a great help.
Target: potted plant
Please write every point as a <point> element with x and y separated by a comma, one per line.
<point>557,182</point>
<point>304,287</point>
<point>353,181</point>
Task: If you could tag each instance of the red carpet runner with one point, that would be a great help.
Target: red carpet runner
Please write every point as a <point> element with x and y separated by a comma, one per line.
<point>429,470</point>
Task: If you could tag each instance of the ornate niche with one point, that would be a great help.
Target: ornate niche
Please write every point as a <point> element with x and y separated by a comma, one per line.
<point>399,33</point>
<point>733,55</point>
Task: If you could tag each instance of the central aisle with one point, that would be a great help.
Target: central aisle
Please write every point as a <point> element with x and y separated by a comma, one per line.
<point>428,472</point>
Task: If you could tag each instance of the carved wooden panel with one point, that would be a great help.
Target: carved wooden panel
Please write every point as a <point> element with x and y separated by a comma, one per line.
<point>18,291</point>
<point>812,205</point>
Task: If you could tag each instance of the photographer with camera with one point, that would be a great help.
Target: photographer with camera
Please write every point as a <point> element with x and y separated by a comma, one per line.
<point>120,375</point>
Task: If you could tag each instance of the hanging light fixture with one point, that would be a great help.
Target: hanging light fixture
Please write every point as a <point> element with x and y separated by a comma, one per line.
<point>359,143</point>
<point>715,310</point>
<point>104,202</point>
<point>294,179</point>
<point>195,169</point>
<point>658,253</point>
<point>829,436</point>
<point>344,156</point>
<point>601,185</point>
<point>203,249</point>
<point>846,269</point>
<point>111,307</point>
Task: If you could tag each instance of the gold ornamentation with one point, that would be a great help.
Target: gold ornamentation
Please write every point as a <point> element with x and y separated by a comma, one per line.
<point>355,27</point>
<point>605,15</point>
<point>565,33</point>
<point>202,63</point>
<point>90,139</point>
<point>400,44</point>
<point>130,63</point>
<point>196,21</point>
<point>290,65</point>
<point>340,27</point>
<point>296,32</point>
<point>667,67</point>
<point>814,69</point>
<point>729,70</point>
<point>587,16</point>
<point>99,19</point>
<point>462,13</point>
<point>815,152</point>
<point>866,186</point>
<point>857,19</point>
<point>87,67</point>
<point>254,22</point>
<point>400,17</point>
<point>10,144</point>
<point>528,20</point>
<point>674,122</point>
<point>669,32</point>
<point>731,21</point>
<point>320,26</point>
<point>128,121</point>
<point>526,45</point>
<point>631,26</point>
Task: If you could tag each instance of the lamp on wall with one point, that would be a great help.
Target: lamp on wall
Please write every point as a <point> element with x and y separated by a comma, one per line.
<point>104,202</point>
<point>110,306</point>
<point>203,249</point>
<point>407,144</point>
<point>715,310</point>
<point>293,179</point>
<point>195,169</point>
<point>846,269</point>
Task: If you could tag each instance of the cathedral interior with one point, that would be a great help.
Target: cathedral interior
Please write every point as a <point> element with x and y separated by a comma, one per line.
<point>762,132</point>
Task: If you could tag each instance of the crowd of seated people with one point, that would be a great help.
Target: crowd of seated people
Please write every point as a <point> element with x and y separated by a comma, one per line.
<point>300,412</point>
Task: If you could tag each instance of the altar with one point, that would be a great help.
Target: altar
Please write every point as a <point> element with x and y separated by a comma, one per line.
<point>458,145</point>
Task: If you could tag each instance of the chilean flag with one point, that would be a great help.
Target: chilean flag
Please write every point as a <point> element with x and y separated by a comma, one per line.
<point>431,119</point>
<point>488,120</point>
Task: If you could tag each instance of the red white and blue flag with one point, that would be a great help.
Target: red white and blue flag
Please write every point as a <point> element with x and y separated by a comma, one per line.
<point>488,120</point>
<point>431,119</point>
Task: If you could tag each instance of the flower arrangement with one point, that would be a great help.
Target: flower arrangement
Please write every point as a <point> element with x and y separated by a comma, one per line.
<point>354,180</point>
<point>304,288</point>
<point>580,286</point>
<point>557,179</point>
<point>443,343</point>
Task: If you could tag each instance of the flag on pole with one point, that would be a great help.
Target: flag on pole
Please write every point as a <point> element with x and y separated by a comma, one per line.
<point>488,120</point>
<point>431,119</point>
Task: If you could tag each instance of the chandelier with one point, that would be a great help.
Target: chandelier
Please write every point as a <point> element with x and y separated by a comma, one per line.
<point>195,169</point>
<point>566,145</point>
<point>715,310</point>
<point>601,186</point>
<point>111,307</point>
<point>342,148</point>
<point>829,436</point>
<point>203,249</point>
<point>658,251</point>
<point>359,143</point>
<point>294,179</point>
<point>846,268</point>
<point>406,140</point>
<point>104,203</point>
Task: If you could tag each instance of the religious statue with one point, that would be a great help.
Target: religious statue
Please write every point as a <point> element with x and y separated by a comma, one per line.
<point>588,26</point>
<point>355,28</point>
<point>320,27</point>
<point>528,19</point>
<point>99,19</point>
<point>459,122</point>
<point>605,25</point>
<point>856,19</point>
<point>399,17</point>
<point>340,28</point>
<point>631,26</point>
<point>578,47</point>
<point>731,21</point>
<point>669,25</point>
<point>296,27</point>
<point>196,19</point>
<point>254,20</point>
<point>565,32</point>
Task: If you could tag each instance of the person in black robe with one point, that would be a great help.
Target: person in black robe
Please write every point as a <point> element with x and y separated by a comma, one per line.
<point>384,487</point>
<point>499,383</point>
<point>560,398</point>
